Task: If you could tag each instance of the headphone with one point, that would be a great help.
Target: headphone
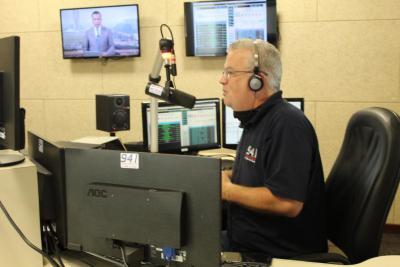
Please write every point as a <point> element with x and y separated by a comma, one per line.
<point>256,81</point>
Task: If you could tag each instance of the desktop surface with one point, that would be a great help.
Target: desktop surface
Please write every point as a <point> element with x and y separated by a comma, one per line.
<point>79,260</point>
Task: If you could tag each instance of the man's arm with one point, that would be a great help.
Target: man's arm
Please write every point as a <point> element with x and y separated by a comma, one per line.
<point>258,198</point>
<point>86,46</point>
<point>110,43</point>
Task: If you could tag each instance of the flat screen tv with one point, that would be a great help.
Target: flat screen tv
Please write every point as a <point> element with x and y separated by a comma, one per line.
<point>182,130</point>
<point>231,132</point>
<point>12,135</point>
<point>100,32</point>
<point>211,26</point>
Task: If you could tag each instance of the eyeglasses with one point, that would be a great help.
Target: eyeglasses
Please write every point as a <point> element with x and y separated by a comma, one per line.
<point>227,74</point>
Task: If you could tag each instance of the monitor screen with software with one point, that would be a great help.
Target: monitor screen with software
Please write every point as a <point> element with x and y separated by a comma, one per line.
<point>230,125</point>
<point>183,130</point>
<point>211,26</point>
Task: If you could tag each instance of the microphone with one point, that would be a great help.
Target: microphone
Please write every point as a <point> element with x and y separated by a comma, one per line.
<point>170,95</point>
<point>166,55</point>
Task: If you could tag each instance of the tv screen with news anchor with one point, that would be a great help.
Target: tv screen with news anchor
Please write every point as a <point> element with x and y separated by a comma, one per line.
<point>94,32</point>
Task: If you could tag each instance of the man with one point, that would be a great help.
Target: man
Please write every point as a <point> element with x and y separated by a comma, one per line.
<point>275,195</point>
<point>98,39</point>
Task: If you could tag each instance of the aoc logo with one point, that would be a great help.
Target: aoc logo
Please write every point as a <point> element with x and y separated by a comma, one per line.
<point>251,154</point>
<point>100,193</point>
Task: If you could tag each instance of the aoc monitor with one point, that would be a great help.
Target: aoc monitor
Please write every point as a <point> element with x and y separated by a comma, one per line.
<point>11,114</point>
<point>182,130</point>
<point>231,132</point>
<point>100,32</point>
<point>146,205</point>
<point>51,156</point>
<point>211,26</point>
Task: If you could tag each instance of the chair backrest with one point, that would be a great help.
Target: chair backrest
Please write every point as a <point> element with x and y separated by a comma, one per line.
<point>363,182</point>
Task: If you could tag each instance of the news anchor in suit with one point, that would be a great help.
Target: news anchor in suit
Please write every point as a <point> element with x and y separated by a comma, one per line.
<point>98,39</point>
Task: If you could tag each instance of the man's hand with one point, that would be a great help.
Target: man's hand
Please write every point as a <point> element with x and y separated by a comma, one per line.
<point>226,184</point>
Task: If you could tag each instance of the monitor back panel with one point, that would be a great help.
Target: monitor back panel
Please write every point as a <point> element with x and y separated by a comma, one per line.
<point>95,179</point>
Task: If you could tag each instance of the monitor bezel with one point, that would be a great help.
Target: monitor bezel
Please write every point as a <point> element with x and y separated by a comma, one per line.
<point>296,99</point>
<point>234,146</point>
<point>272,25</point>
<point>188,149</point>
<point>99,57</point>
<point>12,113</point>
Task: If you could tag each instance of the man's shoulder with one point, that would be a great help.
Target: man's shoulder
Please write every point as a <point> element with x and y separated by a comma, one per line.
<point>105,29</point>
<point>289,117</point>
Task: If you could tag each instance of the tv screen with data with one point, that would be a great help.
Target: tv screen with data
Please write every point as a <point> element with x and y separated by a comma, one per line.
<point>211,26</point>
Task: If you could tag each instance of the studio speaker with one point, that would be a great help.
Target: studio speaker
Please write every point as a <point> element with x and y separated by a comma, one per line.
<point>112,112</point>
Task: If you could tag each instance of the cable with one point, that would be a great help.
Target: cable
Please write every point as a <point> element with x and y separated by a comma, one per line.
<point>123,256</point>
<point>54,239</point>
<point>53,262</point>
<point>162,34</point>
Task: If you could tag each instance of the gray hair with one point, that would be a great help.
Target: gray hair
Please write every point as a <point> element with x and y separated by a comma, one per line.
<point>268,56</point>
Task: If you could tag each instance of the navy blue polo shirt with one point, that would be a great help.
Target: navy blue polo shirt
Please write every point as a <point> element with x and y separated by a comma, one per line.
<point>279,150</point>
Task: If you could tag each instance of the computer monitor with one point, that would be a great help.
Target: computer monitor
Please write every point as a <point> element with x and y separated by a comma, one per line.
<point>152,202</point>
<point>106,31</point>
<point>51,156</point>
<point>11,115</point>
<point>211,26</point>
<point>182,130</point>
<point>230,125</point>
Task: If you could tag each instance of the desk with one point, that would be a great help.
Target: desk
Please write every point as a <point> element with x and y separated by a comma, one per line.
<point>19,194</point>
<point>218,152</point>
<point>382,261</point>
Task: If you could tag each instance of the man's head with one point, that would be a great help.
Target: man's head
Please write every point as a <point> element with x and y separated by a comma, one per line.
<point>96,19</point>
<point>243,56</point>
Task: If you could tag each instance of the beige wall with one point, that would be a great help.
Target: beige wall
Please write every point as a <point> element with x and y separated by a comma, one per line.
<point>340,55</point>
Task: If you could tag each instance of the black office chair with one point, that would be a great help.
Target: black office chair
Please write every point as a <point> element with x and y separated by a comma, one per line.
<point>361,186</point>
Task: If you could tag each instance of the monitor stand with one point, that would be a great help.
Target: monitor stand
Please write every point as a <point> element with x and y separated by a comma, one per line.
<point>10,158</point>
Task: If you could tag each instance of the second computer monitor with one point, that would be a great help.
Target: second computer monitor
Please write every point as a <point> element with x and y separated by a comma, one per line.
<point>230,125</point>
<point>182,130</point>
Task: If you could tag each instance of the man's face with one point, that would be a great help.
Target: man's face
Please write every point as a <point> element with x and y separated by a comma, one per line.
<point>96,19</point>
<point>236,91</point>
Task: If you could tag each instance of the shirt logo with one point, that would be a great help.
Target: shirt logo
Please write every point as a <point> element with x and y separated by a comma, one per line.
<point>251,154</point>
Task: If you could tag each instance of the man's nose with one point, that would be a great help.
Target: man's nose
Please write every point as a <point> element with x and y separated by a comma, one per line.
<point>223,79</point>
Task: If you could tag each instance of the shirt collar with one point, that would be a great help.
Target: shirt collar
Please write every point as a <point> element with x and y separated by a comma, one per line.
<point>264,108</point>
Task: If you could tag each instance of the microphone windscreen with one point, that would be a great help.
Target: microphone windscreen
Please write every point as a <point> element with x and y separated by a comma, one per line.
<point>181,98</point>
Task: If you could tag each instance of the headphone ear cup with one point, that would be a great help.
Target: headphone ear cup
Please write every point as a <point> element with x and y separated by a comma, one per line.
<point>255,82</point>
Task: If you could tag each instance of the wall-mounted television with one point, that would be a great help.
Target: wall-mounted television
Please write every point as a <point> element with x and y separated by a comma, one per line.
<point>211,26</point>
<point>182,130</point>
<point>100,32</point>
<point>231,132</point>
